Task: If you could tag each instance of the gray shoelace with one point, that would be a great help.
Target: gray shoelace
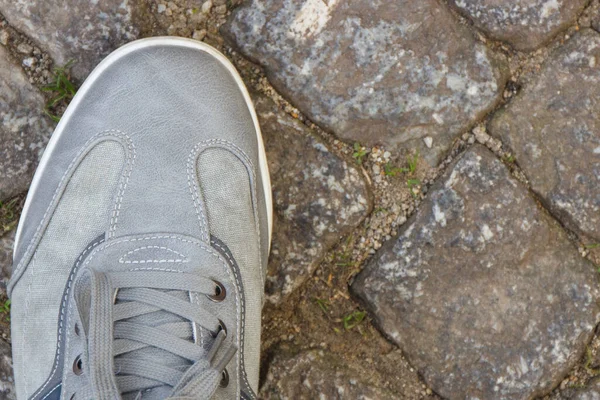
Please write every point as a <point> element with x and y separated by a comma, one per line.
<point>142,339</point>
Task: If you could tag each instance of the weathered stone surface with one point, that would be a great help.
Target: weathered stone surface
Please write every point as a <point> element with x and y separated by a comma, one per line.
<point>553,127</point>
<point>6,250</point>
<point>316,374</point>
<point>591,392</point>
<point>317,197</point>
<point>391,72</point>
<point>24,130</point>
<point>596,19</point>
<point>482,290</point>
<point>83,31</point>
<point>525,24</point>
<point>7,382</point>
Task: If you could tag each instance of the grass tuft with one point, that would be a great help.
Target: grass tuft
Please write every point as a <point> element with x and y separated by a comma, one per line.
<point>323,304</point>
<point>413,162</point>
<point>62,90</point>
<point>353,319</point>
<point>9,213</point>
<point>359,153</point>
<point>5,309</point>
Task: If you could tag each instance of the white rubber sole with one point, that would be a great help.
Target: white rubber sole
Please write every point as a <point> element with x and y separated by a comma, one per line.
<point>108,61</point>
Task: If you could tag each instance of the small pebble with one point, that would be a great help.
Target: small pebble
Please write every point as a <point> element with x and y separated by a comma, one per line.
<point>4,37</point>
<point>24,48</point>
<point>428,141</point>
<point>199,35</point>
<point>221,9</point>
<point>206,6</point>
<point>481,135</point>
<point>161,8</point>
<point>29,62</point>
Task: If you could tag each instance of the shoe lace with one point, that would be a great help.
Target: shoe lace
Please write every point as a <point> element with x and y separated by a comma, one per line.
<point>140,329</point>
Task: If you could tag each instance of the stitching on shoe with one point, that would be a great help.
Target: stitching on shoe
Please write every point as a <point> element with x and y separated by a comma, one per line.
<point>208,249</point>
<point>62,319</point>
<point>195,196</point>
<point>86,149</point>
<point>49,393</point>
<point>123,182</point>
<point>27,304</point>
<point>182,259</point>
<point>237,151</point>
<point>232,262</point>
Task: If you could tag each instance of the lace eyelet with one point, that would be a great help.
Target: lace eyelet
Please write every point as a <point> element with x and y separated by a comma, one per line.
<point>222,327</point>
<point>78,365</point>
<point>224,379</point>
<point>220,293</point>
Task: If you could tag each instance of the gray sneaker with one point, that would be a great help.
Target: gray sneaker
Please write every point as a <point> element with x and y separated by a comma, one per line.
<point>141,253</point>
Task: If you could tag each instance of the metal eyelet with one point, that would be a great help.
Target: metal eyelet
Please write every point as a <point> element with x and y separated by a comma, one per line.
<point>78,365</point>
<point>224,379</point>
<point>222,327</point>
<point>220,293</point>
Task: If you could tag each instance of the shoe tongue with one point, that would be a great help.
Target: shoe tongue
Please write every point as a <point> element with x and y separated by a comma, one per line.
<point>164,320</point>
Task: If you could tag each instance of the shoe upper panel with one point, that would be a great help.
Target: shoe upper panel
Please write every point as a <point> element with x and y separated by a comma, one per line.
<point>82,213</point>
<point>166,99</point>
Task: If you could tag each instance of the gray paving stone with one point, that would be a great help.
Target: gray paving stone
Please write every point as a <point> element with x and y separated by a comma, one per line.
<point>318,198</point>
<point>318,374</point>
<point>596,19</point>
<point>553,127</point>
<point>83,31</point>
<point>483,291</point>
<point>24,130</point>
<point>6,250</point>
<point>7,382</point>
<point>590,392</point>
<point>525,24</point>
<point>393,71</point>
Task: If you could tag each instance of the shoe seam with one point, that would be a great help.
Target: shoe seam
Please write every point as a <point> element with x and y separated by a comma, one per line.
<point>238,152</point>
<point>193,187</point>
<point>27,304</point>
<point>50,392</point>
<point>123,182</point>
<point>243,315</point>
<point>62,319</point>
<point>61,187</point>
<point>183,258</point>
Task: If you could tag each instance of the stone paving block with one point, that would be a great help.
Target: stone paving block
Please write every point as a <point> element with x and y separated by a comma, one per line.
<point>402,73</point>
<point>83,31</point>
<point>318,198</point>
<point>525,24</point>
<point>7,382</point>
<point>481,289</point>
<point>553,127</point>
<point>591,392</point>
<point>316,374</point>
<point>24,129</point>
<point>6,250</point>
